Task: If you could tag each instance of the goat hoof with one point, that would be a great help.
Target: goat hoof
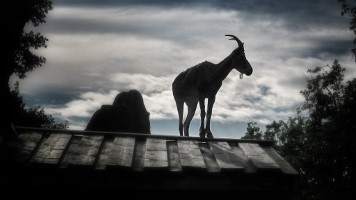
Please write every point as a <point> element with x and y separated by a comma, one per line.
<point>209,135</point>
<point>202,134</point>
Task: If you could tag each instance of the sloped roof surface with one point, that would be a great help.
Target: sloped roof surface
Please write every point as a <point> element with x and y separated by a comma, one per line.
<point>235,163</point>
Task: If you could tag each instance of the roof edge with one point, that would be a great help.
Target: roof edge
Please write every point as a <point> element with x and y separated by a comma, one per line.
<point>23,129</point>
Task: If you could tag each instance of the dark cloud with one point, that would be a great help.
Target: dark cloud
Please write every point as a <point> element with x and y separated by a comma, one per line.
<point>100,26</point>
<point>53,97</point>
<point>295,16</point>
<point>315,11</point>
<point>95,45</point>
<point>261,5</point>
<point>84,120</point>
<point>160,3</point>
<point>118,21</point>
<point>328,48</point>
<point>298,81</point>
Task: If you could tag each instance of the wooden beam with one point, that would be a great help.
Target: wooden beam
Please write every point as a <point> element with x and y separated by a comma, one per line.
<point>143,136</point>
<point>138,162</point>
<point>82,152</point>
<point>121,152</point>
<point>209,159</point>
<point>258,157</point>
<point>104,157</point>
<point>156,154</point>
<point>173,156</point>
<point>51,149</point>
<point>284,165</point>
<point>249,167</point>
<point>21,150</point>
<point>190,155</point>
<point>225,157</point>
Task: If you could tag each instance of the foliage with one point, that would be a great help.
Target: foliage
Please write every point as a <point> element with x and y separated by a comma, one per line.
<point>320,146</point>
<point>24,60</point>
<point>253,131</point>
<point>288,138</point>
<point>331,132</point>
<point>19,59</point>
<point>33,117</point>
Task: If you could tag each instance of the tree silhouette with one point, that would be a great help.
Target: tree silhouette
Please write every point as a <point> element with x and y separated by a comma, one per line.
<point>252,131</point>
<point>322,145</point>
<point>32,117</point>
<point>330,141</point>
<point>16,56</point>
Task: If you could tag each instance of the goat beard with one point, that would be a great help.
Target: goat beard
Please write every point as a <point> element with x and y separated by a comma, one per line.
<point>241,75</point>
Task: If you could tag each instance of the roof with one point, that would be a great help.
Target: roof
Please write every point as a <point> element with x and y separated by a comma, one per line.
<point>92,160</point>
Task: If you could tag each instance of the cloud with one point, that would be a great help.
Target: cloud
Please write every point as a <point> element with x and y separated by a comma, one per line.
<point>147,83</point>
<point>83,106</point>
<point>318,12</point>
<point>94,52</point>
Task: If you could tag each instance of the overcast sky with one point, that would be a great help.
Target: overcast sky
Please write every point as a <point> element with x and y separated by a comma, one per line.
<point>97,49</point>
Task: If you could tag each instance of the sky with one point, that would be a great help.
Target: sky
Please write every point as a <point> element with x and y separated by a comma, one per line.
<point>97,49</point>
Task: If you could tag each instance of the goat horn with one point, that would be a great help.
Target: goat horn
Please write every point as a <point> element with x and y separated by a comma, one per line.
<point>237,40</point>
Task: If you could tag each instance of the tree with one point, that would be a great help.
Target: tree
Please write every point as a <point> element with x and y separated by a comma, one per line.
<point>253,131</point>
<point>330,133</point>
<point>273,132</point>
<point>289,139</point>
<point>348,8</point>
<point>16,57</point>
<point>321,146</point>
<point>34,117</point>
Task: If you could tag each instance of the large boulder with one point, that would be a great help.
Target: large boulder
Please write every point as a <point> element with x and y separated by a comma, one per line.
<point>127,114</point>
